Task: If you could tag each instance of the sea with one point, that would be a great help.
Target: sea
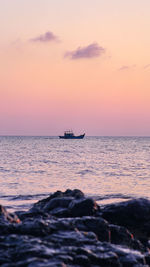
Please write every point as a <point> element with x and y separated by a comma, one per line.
<point>109,169</point>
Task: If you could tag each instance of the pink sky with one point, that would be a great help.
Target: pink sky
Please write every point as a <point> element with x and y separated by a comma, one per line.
<point>78,64</point>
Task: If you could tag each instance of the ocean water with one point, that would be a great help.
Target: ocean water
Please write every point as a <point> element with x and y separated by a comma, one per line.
<point>110,169</point>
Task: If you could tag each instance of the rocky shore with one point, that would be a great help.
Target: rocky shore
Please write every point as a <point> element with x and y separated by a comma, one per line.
<point>68,229</point>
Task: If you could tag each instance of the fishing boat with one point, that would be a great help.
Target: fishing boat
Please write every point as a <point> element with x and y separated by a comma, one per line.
<point>70,135</point>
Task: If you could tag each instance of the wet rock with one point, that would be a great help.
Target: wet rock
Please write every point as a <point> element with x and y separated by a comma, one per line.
<point>33,213</point>
<point>76,194</point>
<point>58,202</point>
<point>67,230</point>
<point>147,258</point>
<point>72,238</point>
<point>133,214</point>
<point>120,235</point>
<point>128,212</point>
<point>71,203</point>
<point>34,227</point>
<point>82,260</point>
<point>83,207</point>
<point>77,250</point>
<point>127,257</point>
<point>7,221</point>
<point>6,217</point>
<point>107,258</point>
<point>97,225</point>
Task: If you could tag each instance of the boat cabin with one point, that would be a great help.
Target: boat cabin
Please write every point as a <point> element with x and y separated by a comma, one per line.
<point>68,134</point>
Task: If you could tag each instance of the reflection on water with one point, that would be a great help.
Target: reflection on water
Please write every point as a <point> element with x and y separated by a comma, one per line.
<point>99,166</point>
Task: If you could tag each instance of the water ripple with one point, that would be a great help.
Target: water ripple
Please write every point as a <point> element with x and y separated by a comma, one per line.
<point>110,167</point>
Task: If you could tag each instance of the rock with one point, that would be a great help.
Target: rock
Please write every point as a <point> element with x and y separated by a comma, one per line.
<point>77,250</point>
<point>67,230</point>
<point>6,217</point>
<point>133,214</point>
<point>57,203</point>
<point>128,212</point>
<point>120,235</point>
<point>34,227</point>
<point>71,203</point>
<point>77,194</point>
<point>83,207</point>
<point>82,260</point>
<point>96,225</point>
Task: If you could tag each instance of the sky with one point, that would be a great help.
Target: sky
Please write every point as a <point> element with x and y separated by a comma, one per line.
<point>75,64</point>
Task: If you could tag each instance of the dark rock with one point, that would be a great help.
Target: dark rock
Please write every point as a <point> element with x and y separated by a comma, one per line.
<point>133,214</point>
<point>34,227</point>
<point>107,259</point>
<point>83,207</point>
<point>76,193</point>
<point>58,202</point>
<point>41,203</point>
<point>97,225</point>
<point>6,217</point>
<point>120,235</point>
<point>59,195</point>
<point>82,260</point>
<point>128,212</point>
<point>128,257</point>
<point>72,238</point>
<point>147,258</point>
<point>33,213</point>
<point>67,230</point>
<point>60,212</point>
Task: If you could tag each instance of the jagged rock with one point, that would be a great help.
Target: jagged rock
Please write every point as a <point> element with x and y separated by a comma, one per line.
<point>120,235</point>
<point>67,230</point>
<point>133,214</point>
<point>58,202</point>
<point>71,203</point>
<point>18,250</point>
<point>83,207</point>
<point>128,212</point>
<point>96,225</point>
<point>76,194</point>
<point>6,217</point>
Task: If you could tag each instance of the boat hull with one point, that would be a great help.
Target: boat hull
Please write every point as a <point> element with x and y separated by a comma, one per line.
<point>72,137</point>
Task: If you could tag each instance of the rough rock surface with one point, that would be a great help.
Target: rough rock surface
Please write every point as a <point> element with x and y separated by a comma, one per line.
<point>133,214</point>
<point>69,230</point>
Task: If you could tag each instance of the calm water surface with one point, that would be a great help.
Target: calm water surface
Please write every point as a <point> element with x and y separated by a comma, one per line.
<point>108,168</point>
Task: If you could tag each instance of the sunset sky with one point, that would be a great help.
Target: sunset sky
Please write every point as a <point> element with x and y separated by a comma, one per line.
<point>79,64</point>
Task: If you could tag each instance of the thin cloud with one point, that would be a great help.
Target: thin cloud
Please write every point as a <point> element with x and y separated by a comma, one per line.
<point>147,66</point>
<point>45,38</point>
<point>126,67</point>
<point>91,51</point>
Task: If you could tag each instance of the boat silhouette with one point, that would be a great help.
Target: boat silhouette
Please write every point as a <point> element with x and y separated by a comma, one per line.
<point>70,135</point>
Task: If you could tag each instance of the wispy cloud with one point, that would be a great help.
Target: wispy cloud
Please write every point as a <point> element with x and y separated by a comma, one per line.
<point>90,51</point>
<point>147,66</point>
<point>126,67</point>
<point>45,38</point>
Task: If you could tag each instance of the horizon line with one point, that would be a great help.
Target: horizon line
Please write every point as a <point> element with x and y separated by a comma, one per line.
<point>16,135</point>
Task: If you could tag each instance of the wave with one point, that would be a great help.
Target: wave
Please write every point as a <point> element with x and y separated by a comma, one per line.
<point>2,169</point>
<point>84,172</point>
<point>24,197</point>
<point>110,196</point>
